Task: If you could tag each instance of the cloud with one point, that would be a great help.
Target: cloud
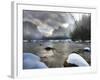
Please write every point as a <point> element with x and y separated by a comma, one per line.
<point>45,30</point>
<point>48,23</point>
<point>65,25</point>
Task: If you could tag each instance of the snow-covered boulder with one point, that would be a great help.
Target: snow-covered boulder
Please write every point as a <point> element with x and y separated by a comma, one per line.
<point>77,60</point>
<point>31,61</point>
<point>87,49</point>
<point>29,64</point>
<point>31,56</point>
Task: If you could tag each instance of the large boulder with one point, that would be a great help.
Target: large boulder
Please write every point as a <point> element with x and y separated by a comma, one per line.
<point>31,61</point>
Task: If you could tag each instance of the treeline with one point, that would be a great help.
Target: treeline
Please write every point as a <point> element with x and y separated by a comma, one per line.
<point>82,29</point>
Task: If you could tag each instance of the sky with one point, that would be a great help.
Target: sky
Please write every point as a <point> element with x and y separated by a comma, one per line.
<point>50,24</point>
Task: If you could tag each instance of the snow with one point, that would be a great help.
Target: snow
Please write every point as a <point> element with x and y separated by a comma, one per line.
<point>68,40</point>
<point>31,61</point>
<point>29,64</point>
<point>87,49</point>
<point>77,60</point>
<point>40,65</point>
<point>31,56</point>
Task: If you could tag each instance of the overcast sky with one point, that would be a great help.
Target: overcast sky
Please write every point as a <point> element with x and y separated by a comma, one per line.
<point>50,23</point>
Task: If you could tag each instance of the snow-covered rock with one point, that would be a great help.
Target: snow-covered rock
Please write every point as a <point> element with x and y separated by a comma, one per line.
<point>87,49</point>
<point>29,64</point>
<point>77,60</point>
<point>31,56</point>
<point>31,61</point>
<point>39,65</point>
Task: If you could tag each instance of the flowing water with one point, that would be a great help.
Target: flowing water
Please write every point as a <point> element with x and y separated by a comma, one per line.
<point>55,58</point>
